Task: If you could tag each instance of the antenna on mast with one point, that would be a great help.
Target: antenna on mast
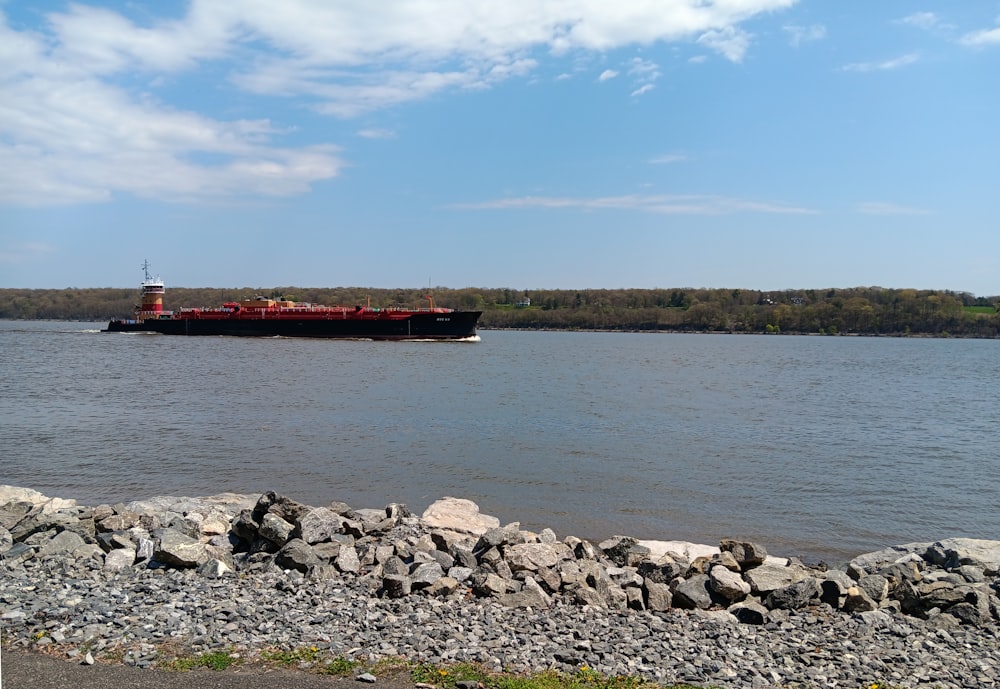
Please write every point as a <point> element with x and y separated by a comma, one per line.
<point>145,268</point>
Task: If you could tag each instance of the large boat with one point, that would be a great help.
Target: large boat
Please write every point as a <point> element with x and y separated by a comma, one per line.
<point>269,317</point>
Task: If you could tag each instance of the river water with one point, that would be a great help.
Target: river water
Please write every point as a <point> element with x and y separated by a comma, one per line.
<point>819,447</point>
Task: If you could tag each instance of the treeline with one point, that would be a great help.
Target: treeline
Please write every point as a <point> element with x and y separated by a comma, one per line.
<point>858,310</point>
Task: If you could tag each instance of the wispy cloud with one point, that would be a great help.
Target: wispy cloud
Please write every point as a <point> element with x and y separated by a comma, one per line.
<point>25,251</point>
<point>377,134</point>
<point>804,34</point>
<point>884,208</point>
<point>895,63</point>
<point>607,75</point>
<point>921,20</point>
<point>655,203</point>
<point>668,158</point>
<point>731,42</point>
<point>982,37</point>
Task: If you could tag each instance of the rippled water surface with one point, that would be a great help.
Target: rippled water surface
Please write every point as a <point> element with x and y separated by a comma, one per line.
<point>817,447</point>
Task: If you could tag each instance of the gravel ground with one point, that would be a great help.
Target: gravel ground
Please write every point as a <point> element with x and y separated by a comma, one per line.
<point>143,617</point>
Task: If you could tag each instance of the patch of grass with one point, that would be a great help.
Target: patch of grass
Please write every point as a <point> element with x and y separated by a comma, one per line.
<point>339,666</point>
<point>213,660</point>
<point>977,309</point>
<point>447,677</point>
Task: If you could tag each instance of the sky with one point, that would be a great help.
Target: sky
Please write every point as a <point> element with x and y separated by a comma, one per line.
<point>529,144</point>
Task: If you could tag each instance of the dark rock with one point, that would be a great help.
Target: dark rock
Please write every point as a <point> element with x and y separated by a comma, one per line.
<point>296,554</point>
<point>663,571</point>
<point>693,593</point>
<point>117,522</point>
<point>396,585</point>
<point>834,588</point>
<point>747,554</point>
<point>18,553</point>
<point>795,596</point>
<point>617,549</point>
<point>275,529</point>
<point>285,508</point>
<point>245,527</point>
<point>749,612</point>
<point>13,512</point>
<point>858,600</point>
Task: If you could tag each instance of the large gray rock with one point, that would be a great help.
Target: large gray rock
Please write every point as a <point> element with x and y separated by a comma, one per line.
<point>952,553</point>
<point>426,574</point>
<point>75,519</point>
<point>875,585</point>
<point>319,524</point>
<point>457,514</point>
<point>275,530</point>
<point>178,549</point>
<point>749,611</point>
<point>118,522</point>
<point>727,584</point>
<point>396,585</point>
<point>214,568</point>
<point>347,560</point>
<point>6,540</point>
<point>834,588</point>
<point>244,526</point>
<point>693,593</point>
<point>747,554</point>
<point>535,556</point>
<point>119,559</point>
<point>531,596</point>
<point>618,549</point>
<point>60,545</point>
<point>658,596</point>
<point>12,512</point>
<point>769,577</point>
<point>857,600</point>
<point>487,583</point>
<point>271,503</point>
<point>795,596</point>
<point>297,555</point>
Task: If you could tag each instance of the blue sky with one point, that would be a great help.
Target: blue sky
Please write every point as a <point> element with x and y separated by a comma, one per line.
<point>758,144</point>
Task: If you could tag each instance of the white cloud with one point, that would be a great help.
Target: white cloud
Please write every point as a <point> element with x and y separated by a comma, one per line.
<point>78,122</point>
<point>883,208</point>
<point>669,204</point>
<point>921,20</point>
<point>376,134</point>
<point>645,88</point>
<point>895,63</point>
<point>730,41</point>
<point>668,158</point>
<point>607,75</point>
<point>982,37</point>
<point>804,34</point>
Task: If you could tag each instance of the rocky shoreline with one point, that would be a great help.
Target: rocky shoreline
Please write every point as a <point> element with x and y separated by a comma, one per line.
<point>143,580</point>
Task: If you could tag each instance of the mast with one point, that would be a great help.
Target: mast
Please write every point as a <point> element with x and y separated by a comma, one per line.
<point>152,295</point>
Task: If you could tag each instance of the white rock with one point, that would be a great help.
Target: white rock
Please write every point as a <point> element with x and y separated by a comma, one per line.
<point>458,514</point>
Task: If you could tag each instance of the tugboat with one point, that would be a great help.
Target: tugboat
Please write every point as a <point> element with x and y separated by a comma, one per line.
<point>266,317</point>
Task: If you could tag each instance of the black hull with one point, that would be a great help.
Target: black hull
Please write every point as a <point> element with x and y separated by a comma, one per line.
<point>455,325</point>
